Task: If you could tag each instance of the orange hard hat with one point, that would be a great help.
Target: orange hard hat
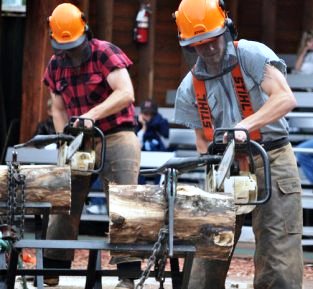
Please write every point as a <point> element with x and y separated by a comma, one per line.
<point>68,26</point>
<point>199,20</point>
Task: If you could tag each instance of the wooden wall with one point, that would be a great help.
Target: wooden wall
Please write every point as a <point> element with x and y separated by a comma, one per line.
<point>158,66</point>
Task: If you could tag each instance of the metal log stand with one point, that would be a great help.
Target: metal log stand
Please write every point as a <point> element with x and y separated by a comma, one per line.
<point>157,253</point>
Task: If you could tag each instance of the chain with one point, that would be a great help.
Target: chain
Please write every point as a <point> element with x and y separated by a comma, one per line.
<point>11,195</point>
<point>16,183</point>
<point>22,205</point>
<point>157,252</point>
<point>160,264</point>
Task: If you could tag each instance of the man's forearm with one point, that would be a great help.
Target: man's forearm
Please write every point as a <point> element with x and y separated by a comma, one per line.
<point>59,121</point>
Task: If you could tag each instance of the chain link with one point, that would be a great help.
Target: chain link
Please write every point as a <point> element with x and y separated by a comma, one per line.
<point>16,184</point>
<point>10,194</point>
<point>157,252</point>
<point>22,205</point>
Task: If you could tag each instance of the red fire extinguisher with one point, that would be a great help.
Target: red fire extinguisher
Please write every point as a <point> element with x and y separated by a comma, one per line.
<point>141,31</point>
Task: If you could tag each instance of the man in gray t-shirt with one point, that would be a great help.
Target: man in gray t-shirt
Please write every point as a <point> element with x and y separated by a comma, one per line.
<point>206,35</point>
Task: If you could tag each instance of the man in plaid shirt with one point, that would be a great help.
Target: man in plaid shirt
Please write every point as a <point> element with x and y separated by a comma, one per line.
<point>89,78</point>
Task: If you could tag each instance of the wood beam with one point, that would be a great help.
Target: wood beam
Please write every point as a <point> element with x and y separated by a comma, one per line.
<point>37,51</point>
<point>83,5</point>
<point>308,15</point>
<point>232,7</point>
<point>104,15</point>
<point>268,35</point>
<point>146,60</point>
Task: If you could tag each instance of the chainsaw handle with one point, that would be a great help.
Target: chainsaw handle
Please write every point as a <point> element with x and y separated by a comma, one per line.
<point>183,164</point>
<point>267,174</point>
<point>93,131</point>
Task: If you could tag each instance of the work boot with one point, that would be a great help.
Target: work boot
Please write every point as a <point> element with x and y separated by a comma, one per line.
<point>51,281</point>
<point>125,284</point>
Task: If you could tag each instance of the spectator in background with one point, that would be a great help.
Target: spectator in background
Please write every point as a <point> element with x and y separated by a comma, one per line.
<point>152,130</point>
<point>304,61</point>
<point>305,160</point>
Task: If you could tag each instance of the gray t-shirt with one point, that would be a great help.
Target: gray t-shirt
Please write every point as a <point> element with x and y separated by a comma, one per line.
<point>222,99</point>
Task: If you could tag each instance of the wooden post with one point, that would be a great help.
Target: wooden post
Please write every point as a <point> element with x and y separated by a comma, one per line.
<point>104,24</point>
<point>146,60</point>
<point>206,220</point>
<point>269,23</point>
<point>308,15</point>
<point>37,51</point>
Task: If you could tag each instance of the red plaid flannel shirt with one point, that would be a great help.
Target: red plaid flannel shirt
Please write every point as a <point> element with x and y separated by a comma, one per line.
<point>85,87</point>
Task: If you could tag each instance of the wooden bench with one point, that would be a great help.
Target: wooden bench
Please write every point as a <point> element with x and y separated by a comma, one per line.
<point>301,118</point>
<point>303,82</point>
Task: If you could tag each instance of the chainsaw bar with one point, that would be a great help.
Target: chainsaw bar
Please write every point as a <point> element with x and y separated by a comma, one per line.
<point>74,146</point>
<point>225,164</point>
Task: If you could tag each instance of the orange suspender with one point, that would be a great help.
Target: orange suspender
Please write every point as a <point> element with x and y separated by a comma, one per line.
<point>242,97</point>
<point>203,108</point>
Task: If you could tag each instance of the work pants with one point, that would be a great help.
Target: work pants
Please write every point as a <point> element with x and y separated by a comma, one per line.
<point>277,226</point>
<point>122,163</point>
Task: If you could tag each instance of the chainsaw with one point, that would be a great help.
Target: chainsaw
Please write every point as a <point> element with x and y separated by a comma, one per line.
<point>77,146</point>
<point>235,174</point>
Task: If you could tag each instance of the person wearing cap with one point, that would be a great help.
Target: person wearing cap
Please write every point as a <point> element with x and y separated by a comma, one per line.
<point>89,78</point>
<point>152,130</point>
<point>242,85</point>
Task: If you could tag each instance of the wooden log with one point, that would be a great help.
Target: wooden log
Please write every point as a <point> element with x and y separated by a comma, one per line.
<point>43,183</point>
<point>205,219</point>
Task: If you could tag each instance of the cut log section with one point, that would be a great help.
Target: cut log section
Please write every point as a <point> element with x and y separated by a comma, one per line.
<point>204,219</point>
<point>43,183</point>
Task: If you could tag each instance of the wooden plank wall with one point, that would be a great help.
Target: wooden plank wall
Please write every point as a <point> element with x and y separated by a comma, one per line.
<point>158,66</point>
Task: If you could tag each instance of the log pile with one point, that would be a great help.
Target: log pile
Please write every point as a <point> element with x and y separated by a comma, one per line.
<point>137,212</point>
<point>43,183</point>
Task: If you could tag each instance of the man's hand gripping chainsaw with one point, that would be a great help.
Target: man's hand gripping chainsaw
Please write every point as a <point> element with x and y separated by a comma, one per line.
<point>235,174</point>
<point>77,146</point>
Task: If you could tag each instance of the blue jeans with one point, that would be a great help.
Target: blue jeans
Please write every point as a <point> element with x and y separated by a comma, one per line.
<point>305,160</point>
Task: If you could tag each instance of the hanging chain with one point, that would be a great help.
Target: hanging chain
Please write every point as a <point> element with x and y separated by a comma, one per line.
<point>11,191</point>
<point>160,262</point>
<point>16,186</point>
<point>21,181</point>
<point>158,251</point>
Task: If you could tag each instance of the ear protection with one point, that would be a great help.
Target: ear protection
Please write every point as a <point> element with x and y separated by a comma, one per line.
<point>88,32</point>
<point>228,22</point>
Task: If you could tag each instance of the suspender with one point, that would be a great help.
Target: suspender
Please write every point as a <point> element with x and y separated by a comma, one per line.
<point>242,97</point>
<point>203,108</point>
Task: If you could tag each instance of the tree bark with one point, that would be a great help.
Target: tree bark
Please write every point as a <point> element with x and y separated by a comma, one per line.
<point>43,183</point>
<point>206,220</point>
